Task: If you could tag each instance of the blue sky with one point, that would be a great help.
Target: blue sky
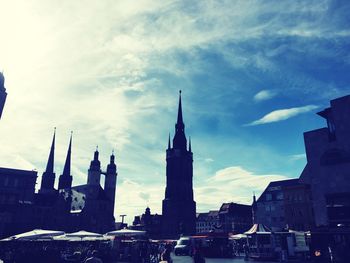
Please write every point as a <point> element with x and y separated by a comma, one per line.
<point>253,75</point>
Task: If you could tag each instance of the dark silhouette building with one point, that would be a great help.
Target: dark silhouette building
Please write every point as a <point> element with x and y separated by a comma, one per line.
<point>179,208</point>
<point>150,223</point>
<point>16,200</point>
<point>235,218</point>
<point>69,208</point>
<point>3,93</point>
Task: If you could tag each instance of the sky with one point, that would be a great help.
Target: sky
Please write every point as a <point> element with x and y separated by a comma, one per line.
<point>253,75</point>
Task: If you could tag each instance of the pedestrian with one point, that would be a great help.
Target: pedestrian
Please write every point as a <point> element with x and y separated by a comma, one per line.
<point>165,257</point>
<point>94,258</point>
<point>197,256</point>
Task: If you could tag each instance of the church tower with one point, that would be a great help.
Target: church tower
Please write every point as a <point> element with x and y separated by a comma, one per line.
<point>48,178</point>
<point>111,182</point>
<point>65,180</point>
<point>94,173</point>
<point>179,208</point>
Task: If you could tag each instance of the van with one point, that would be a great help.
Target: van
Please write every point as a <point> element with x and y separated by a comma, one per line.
<point>183,246</point>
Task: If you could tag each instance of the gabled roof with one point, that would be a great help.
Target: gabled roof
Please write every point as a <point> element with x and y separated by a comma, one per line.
<point>280,184</point>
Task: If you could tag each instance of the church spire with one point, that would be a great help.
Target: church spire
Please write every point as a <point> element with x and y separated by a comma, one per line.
<point>50,161</point>
<point>179,113</point>
<point>179,141</point>
<point>169,146</point>
<point>66,170</point>
<point>65,180</point>
<point>48,178</point>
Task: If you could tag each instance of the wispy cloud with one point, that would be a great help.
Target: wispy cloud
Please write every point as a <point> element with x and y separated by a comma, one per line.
<point>232,184</point>
<point>265,95</point>
<point>283,114</point>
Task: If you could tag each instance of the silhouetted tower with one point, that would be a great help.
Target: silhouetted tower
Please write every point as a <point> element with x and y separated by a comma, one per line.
<point>94,173</point>
<point>254,208</point>
<point>179,208</point>
<point>111,181</point>
<point>65,180</point>
<point>48,178</point>
<point>3,93</point>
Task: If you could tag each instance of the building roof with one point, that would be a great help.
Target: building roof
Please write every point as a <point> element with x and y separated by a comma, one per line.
<point>278,185</point>
<point>11,171</point>
<point>234,208</point>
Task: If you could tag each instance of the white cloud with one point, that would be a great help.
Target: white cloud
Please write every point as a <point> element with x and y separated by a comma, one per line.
<point>265,95</point>
<point>297,157</point>
<point>232,184</point>
<point>283,114</point>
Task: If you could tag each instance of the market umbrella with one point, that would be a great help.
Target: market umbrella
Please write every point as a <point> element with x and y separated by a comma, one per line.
<point>238,236</point>
<point>83,234</point>
<point>126,232</point>
<point>35,234</point>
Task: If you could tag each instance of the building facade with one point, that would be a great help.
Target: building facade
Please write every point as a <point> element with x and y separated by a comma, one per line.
<point>152,223</point>
<point>179,207</point>
<point>207,222</point>
<point>328,165</point>
<point>235,218</point>
<point>17,189</point>
<point>285,204</point>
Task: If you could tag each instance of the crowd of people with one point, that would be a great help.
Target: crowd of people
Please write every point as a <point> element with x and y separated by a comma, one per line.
<point>138,251</point>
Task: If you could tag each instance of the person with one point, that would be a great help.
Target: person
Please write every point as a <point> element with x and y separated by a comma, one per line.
<point>165,257</point>
<point>94,258</point>
<point>197,256</point>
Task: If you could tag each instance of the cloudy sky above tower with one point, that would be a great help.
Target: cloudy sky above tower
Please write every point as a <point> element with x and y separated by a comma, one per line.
<point>252,74</point>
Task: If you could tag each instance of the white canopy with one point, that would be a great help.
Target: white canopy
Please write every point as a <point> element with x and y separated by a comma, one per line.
<point>126,232</point>
<point>238,236</point>
<point>35,235</point>
<point>258,229</point>
<point>81,235</point>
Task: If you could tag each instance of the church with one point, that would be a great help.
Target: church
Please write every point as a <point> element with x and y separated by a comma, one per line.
<point>68,208</point>
<point>83,207</point>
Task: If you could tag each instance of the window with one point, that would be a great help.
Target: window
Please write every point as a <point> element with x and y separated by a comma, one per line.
<point>279,196</point>
<point>268,197</point>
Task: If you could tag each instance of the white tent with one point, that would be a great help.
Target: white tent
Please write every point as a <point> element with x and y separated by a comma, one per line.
<point>81,235</point>
<point>258,229</point>
<point>35,235</point>
<point>237,236</point>
<point>126,232</point>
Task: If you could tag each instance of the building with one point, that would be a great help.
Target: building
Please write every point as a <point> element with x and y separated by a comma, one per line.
<point>328,165</point>
<point>235,218</point>
<point>3,93</point>
<point>285,204</point>
<point>16,199</point>
<point>152,223</point>
<point>179,207</point>
<point>298,210</point>
<point>69,208</point>
<point>207,222</point>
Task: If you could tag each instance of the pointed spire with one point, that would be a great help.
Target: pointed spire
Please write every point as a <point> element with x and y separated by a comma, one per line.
<point>179,141</point>
<point>112,157</point>
<point>66,170</point>
<point>189,145</point>
<point>50,162</point>
<point>169,146</point>
<point>96,154</point>
<point>179,113</point>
